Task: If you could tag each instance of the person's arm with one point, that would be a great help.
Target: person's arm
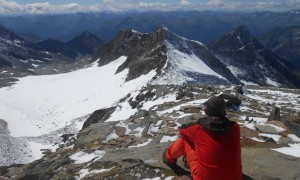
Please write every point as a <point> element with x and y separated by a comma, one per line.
<point>187,131</point>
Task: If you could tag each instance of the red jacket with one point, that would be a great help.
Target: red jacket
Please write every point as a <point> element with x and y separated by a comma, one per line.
<point>216,142</point>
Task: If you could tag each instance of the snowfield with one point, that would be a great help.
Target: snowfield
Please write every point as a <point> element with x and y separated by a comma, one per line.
<point>37,105</point>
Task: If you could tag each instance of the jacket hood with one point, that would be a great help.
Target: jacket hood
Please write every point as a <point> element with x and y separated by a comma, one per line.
<point>216,124</point>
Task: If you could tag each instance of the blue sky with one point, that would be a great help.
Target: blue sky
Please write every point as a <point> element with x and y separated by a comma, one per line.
<point>71,6</point>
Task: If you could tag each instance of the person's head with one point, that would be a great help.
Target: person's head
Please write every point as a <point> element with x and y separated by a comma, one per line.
<point>215,106</point>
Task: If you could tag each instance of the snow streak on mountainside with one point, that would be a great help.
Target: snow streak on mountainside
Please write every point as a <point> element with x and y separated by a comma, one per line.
<point>191,61</point>
<point>185,68</point>
<point>38,105</point>
<point>175,59</point>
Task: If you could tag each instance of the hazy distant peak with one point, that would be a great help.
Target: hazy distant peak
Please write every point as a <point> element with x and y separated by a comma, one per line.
<point>239,38</point>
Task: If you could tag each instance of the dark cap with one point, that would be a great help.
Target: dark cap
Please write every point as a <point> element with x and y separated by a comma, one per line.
<point>215,106</point>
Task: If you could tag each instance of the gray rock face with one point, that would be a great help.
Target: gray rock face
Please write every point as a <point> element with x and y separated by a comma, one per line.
<point>260,163</point>
<point>38,168</point>
<point>275,114</point>
<point>293,127</point>
<point>285,140</point>
<point>120,131</point>
<point>144,52</point>
<point>94,132</point>
<point>99,116</point>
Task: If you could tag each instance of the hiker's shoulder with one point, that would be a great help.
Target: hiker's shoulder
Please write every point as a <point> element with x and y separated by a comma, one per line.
<point>189,125</point>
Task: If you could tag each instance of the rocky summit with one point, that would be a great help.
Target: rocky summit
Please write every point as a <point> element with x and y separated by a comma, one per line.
<point>175,59</point>
<point>131,148</point>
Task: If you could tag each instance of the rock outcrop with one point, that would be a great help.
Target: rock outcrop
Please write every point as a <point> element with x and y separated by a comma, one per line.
<point>99,116</point>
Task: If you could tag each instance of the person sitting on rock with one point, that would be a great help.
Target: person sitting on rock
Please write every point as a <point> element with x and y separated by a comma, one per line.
<point>211,146</point>
<point>242,89</point>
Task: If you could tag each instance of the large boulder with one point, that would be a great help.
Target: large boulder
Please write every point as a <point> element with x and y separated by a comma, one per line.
<point>263,163</point>
<point>231,100</point>
<point>99,116</point>
<point>266,129</point>
<point>95,132</point>
<point>44,168</point>
<point>293,127</point>
<point>120,131</point>
<point>182,94</point>
<point>275,114</point>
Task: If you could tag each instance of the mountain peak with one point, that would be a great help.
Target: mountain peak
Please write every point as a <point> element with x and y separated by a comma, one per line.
<point>168,54</point>
<point>249,60</point>
<point>144,52</point>
<point>162,28</point>
<point>242,29</point>
<point>11,36</point>
<point>86,34</point>
<point>85,42</point>
<point>239,38</point>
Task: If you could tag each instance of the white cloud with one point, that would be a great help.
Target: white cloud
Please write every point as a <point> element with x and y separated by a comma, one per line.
<point>215,3</point>
<point>46,7</point>
<point>185,2</point>
<point>11,7</point>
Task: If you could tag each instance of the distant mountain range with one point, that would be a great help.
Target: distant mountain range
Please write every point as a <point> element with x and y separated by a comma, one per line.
<point>237,57</point>
<point>201,26</point>
<point>205,27</point>
<point>20,57</point>
<point>285,42</point>
<point>250,61</point>
<point>79,45</point>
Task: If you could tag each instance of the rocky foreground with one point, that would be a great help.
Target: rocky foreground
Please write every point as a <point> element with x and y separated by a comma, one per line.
<point>126,141</point>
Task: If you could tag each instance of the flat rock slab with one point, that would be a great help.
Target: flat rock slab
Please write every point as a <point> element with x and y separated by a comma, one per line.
<point>149,154</point>
<point>263,163</point>
<point>258,163</point>
<point>266,129</point>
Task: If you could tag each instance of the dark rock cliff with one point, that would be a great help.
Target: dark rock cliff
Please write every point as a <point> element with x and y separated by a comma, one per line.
<point>145,52</point>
